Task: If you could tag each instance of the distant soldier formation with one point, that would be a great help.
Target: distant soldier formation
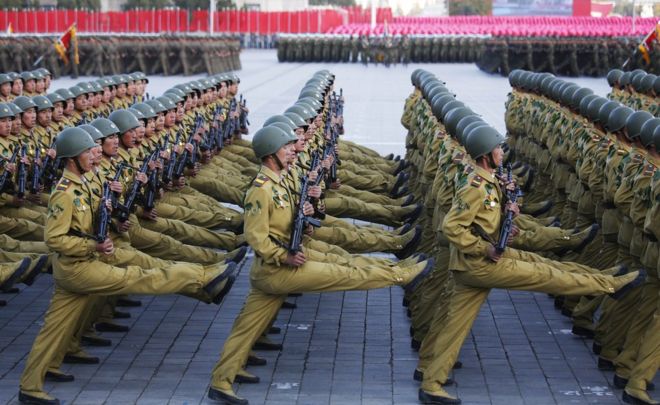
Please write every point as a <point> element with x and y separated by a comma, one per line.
<point>112,55</point>
<point>561,56</point>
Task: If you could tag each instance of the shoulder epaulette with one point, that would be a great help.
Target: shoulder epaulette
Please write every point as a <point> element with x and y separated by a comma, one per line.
<point>260,180</point>
<point>476,181</point>
<point>648,170</point>
<point>63,185</point>
<point>459,158</point>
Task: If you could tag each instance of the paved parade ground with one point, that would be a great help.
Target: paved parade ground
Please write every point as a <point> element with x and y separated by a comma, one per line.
<point>339,348</point>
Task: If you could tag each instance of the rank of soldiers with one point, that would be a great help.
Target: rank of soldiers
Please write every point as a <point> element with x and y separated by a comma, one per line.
<point>111,55</point>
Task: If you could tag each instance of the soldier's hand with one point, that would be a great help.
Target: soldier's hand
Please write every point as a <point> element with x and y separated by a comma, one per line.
<point>492,254</point>
<point>336,184</point>
<point>51,153</point>
<point>515,231</point>
<point>327,162</point>
<point>124,226</point>
<point>151,165</point>
<point>35,198</point>
<point>106,247</point>
<point>313,175</point>
<point>151,214</point>
<point>142,178</point>
<point>513,207</point>
<point>165,154</point>
<point>296,260</point>
<point>25,160</point>
<point>181,182</point>
<point>308,208</point>
<point>309,230</point>
<point>116,186</point>
<point>10,167</point>
<point>315,192</point>
<point>190,147</point>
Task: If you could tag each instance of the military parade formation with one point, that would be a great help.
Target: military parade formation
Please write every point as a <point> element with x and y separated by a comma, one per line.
<point>116,193</point>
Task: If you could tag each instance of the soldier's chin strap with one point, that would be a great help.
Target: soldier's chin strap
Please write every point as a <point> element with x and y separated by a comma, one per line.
<point>491,161</point>
<point>278,161</point>
<point>77,163</point>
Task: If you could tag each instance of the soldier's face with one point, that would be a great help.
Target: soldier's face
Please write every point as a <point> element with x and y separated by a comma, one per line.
<point>86,160</point>
<point>58,111</point>
<point>40,86</point>
<point>29,118</point>
<point>160,121</point>
<point>121,90</point>
<point>497,155</point>
<point>300,145</point>
<point>46,83</point>
<point>30,86</point>
<point>139,87</point>
<point>70,107</point>
<point>128,138</point>
<point>233,89</point>
<point>187,104</point>
<point>113,91</point>
<point>170,118</point>
<point>110,145</point>
<point>223,90</point>
<point>81,102</point>
<point>151,127</point>
<point>130,90</point>
<point>17,87</point>
<point>5,89</point>
<point>97,153</point>
<point>16,124</point>
<point>107,95</point>
<point>139,133</point>
<point>180,112</point>
<point>5,126</point>
<point>44,117</point>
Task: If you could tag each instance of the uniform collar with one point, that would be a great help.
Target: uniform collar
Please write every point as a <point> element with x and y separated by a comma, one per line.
<point>271,174</point>
<point>485,174</point>
<point>69,175</point>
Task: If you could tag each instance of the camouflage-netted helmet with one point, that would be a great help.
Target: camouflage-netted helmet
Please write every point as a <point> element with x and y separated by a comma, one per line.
<point>167,102</point>
<point>65,93</point>
<point>646,83</point>
<point>4,78</point>
<point>453,117</point>
<point>105,126</point>
<point>482,140</point>
<point>448,107</point>
<point>42,103</point>
<point>613,77</point>
<point>625,78</point>
<point>463,124</point>
<point>617,118</point>
<point>635,122</point>
<point>286,128</point>
<point>124,120</point>
<point>439,102</point>
<point>605,110</point>
<point>578,95</point>
<point>71,142</point>
<point>298,121</point>
<point>514,76</point>
<point>637,77</point>
<point>24,103</point>
<point>567,94</point>
<point>146,110</point>
<point>6,111</point>
<point>285,119</point>
<point>55,98</point>
<point>584,104</point>
<point>92,131</point>
<point>594,107</point>
<point>303,111</point>
<point>156,105</point>
<point>269,140</point>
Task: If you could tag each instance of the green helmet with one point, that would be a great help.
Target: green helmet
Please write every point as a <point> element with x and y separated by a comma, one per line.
<point>124,120</point>
<point>624,80</point>
<point>156,105</point>
<point>635,122</point>
<point>24,103</point>
<point>15,109</point>
<point>301,110</point>
<point>648,129</point>
<point>448,107</point>
<point>439,102</point>
<point>284,119</point>
<point>146,110</point>
<point>440,89</point>
<point>605,110</point>
<point>465,124</point>
<point>4,78</point>
<point>578,96</point>
<point>312,102</point>
<point>25,76</point>
<point>297,120</point>
<point>594,107</point>
<point>77,91</point>
<point>37,75</point>
<point>42,103</point>
<point>120,79</point>
<point>167,102</point>
<point>284,127</point>
<point>567,94</point>
<point>584,104</point>
<point>71,142</point>
<point>92,131</point>
<point>617,118</point>
<point>315,94</point>
<point>98,88</point>
<point>65,93</point>
<point>413,76</point>
<point>482,140</point>
<point>105,126</point>
<point>430,86</point>
<point>656,85</point>
<point>86,87</point>
<point>656,138</point>
<point>514,76</point>
<point>613,77</point>
<point>44,72</point>
<point>177,91</point>
<point>55,98</point>
<point>269,140</point>
<point>184,88</point>
<point>637,77</point>
<point>138,114</point>
<point>6,111</point>
<point>452,118</point>
<point>646,83</point>
<point>175,98</point>
<point>105,82</point>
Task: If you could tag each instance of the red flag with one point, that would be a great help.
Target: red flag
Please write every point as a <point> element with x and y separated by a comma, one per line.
<point>646,45</point>
<point>63,44</point>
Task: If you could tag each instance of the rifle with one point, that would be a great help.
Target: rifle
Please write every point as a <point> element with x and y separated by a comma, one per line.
<point>21,175</point>
<point>243,119</point>
<point>154,182</point>
<point>126,208</point>
<point>230,123</point>
<point>36,172</point>
<point>168,171</point>
<point>507,224</point>
<point>49,168</point>
<point>183,160</point>
<point>300,220</point>
<point>105,213</point>
<point>5,181</point>
<point>192,157</point>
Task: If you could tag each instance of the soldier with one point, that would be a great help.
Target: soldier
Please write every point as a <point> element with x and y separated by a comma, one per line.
<point>276,271</point>
<point>71,233</point>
